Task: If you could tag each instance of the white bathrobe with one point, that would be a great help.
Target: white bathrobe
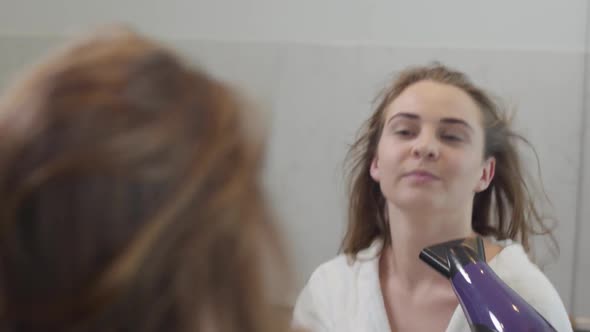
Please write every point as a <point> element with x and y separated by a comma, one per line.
<point>344,297</point>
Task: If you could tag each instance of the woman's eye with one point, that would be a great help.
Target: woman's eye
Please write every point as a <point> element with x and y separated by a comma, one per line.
<point>453,138</point>
<point>403,132</point>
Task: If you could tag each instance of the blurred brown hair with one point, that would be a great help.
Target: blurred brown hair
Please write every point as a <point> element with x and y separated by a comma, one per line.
<point>130,197</point>
<point>505,210</point>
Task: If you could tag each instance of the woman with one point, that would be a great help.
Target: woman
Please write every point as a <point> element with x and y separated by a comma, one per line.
<point>130,197</point>
<point>436,161</point>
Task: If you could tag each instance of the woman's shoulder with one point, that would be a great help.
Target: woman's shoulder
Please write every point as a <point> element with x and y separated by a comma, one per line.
<point>514,266</point>
<point>513,263</point>
<point>520,273</point>
<point>345,266</point>
<point>343,273</point>
<point>333,290</point>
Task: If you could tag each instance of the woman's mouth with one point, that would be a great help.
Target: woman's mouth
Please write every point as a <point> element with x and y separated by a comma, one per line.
<point>421,176</point>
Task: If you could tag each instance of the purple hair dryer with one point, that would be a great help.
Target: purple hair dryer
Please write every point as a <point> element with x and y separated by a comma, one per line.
<point>488,303</point>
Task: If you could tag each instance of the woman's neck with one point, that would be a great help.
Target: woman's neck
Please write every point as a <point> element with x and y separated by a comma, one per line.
<point>412,232</point>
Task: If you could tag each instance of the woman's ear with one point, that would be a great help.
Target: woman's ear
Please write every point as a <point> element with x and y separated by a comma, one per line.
<point>374,170</point>
<point>487,174</point>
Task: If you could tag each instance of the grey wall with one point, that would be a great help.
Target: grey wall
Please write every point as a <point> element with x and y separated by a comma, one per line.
<point>316,65</point>
<point>581,298</point>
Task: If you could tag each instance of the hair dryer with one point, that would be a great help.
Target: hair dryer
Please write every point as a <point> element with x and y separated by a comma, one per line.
<point>488,303</point>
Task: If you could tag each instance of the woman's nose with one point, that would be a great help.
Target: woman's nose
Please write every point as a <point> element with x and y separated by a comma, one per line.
<point>425,147</point>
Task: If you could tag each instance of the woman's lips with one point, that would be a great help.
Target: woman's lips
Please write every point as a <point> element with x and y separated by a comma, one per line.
<point>421,176</point>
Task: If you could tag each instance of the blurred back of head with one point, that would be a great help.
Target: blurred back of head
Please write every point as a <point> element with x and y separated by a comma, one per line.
<point>130,197</point>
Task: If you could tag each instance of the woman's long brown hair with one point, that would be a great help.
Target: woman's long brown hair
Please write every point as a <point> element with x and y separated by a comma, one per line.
<point>130,196</point>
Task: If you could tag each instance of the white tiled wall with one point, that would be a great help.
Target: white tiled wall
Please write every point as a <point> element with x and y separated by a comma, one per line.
<point>504,24</point>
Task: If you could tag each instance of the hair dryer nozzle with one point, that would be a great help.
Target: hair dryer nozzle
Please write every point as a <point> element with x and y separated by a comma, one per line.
<point>465,250</point>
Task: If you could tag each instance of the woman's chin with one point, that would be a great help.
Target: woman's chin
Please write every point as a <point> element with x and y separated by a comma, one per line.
<point>424,204</point>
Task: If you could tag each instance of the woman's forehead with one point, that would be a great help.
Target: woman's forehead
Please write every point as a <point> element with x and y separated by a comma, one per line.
<point>433,101</point>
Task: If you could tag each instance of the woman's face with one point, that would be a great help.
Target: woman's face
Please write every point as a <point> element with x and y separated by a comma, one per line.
<point>430,154</point>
